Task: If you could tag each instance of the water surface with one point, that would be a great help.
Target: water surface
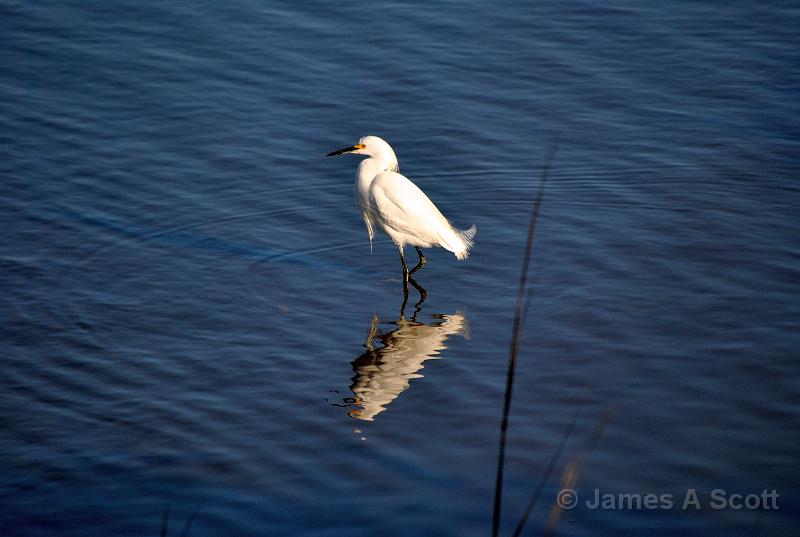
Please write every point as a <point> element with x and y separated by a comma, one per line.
<point>188,289</point>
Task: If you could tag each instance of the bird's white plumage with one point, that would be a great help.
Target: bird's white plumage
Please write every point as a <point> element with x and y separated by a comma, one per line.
<point>408,216</point>
<point>392,203</point>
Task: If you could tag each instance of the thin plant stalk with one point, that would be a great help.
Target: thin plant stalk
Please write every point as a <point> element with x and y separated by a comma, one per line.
<point>523,302</point>
<point>568,430</point>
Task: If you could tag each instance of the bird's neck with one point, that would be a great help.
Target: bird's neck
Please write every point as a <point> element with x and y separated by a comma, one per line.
<point>372,166</point>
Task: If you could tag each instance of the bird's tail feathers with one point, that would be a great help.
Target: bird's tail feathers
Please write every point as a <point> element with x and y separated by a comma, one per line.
<point>466,238</point>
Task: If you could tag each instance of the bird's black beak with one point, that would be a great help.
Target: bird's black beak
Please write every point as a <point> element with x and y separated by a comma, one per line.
<point>345,150</point>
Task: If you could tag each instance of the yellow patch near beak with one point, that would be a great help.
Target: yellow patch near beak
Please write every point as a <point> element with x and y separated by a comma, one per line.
<point>359,146</point>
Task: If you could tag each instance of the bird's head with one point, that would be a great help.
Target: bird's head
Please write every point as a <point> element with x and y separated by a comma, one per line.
<point>374,147</point>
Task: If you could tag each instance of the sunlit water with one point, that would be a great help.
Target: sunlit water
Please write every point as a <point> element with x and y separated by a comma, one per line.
<point>192,315</point>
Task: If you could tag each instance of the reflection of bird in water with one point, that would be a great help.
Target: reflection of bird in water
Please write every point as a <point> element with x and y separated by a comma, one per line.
<point>384,373</point>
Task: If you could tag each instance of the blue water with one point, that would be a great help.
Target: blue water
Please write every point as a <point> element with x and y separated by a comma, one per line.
<point>188,288</point>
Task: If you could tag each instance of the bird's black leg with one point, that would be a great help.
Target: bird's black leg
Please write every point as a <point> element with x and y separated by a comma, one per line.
<point>405,273</point>
<point>422,296</point>
<point>405,285</point>
<point>403,305</point>
<point>421,263</point>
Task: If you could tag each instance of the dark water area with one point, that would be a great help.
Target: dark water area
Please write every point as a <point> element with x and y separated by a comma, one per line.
<point>192,317</point>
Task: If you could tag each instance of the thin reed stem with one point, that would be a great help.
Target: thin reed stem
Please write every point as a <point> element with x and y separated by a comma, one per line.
<point>568,430</point>
<point>516,335</point>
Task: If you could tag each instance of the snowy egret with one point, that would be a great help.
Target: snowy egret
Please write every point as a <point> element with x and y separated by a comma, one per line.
<point>391,202</point>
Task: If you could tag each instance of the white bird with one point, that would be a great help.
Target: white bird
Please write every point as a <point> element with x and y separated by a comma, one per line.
<point>391,202</point>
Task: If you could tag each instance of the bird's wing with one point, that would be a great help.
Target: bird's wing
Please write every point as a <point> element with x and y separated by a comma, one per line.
<point>401,205</point>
